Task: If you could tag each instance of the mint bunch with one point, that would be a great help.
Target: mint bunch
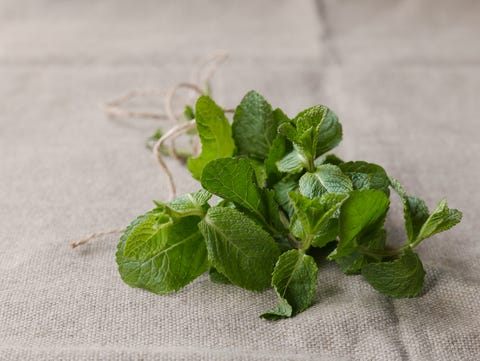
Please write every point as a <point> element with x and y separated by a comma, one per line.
<point>280,196</point>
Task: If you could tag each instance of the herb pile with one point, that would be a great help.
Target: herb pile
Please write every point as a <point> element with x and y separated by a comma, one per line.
<point>280,197</point>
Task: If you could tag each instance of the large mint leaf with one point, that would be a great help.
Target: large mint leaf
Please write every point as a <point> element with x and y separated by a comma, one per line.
<point>400,278</point>
<point>215,134</point>
<point>166,261</point>
<point>361,214</point>
<point>239,248</point>
<point>234,179</point>
<point>441,219</point>
<point>328,178</point>
<point>366,176</point>
<point>294,279</point>
<point>254,126</point>
<point>415,211</point>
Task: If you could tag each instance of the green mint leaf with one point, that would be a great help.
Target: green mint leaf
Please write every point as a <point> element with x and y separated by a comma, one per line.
<point>168,261</point>
<point>234,179</point>
<point>313,214</point>
<point>328,178</point>
<point>313,132</point>
<point>293,162</point>
<point>188,112</point>
<point>280,117</point>
<point>215,134</point>
<point>306,145</point>
<point>288,130</point>
<point>400,278</point>
<point>189,204</point>
<point>260,172</point>
<point>294,279</point>
<point>282,188</point>
<point>273,212</point>
<point>441,219</point>
<point>353,262</point>
<point>148,236</point>
<point>254,126</point>
<point>217,277</point>
<point>282,310</point>
<point>327,127</point>
<point>362,213</point>
<point>239,248</point>
<point>366,176</point>
<point>415,211</point>
<point>419,224</point>
<point>329,159</point>
<point>279,149</point>
<point>326,234</point>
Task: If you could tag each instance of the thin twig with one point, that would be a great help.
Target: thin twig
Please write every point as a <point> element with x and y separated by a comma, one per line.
<point>175,131</point>
<point>170,94</point>
<point>115,107</point>
<point>94,236</point>
<point>169,110</point>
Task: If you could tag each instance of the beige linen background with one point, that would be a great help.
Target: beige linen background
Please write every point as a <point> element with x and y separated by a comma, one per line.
<point>404,78</point>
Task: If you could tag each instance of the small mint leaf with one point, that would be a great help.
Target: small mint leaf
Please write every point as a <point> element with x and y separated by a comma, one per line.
<point>441,219</point>
<point>400,278</point>
<point>313,214</point>
<point>327,178</point>
<point>254,126</point>
<point>273,212</point>
<point>188,204</point>
<point>282,188</point>
<point>282,310</point>
<point>234,179</point>
<point>293,162</point>
<point>329,159</point>
<point>188,112</point>
<point>294,279</point>
<point>366,176</point>
<point>327,127</point>
<point>215,134</point>
<point>260,172</point>
<point>415,211</point>
<point>326,234</point>
<point>278,150</point>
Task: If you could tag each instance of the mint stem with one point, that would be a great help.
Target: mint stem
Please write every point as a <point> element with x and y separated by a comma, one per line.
<point>307,243</point>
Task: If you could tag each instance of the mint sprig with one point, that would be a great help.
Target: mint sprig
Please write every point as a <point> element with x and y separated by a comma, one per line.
<point>280,196</point>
